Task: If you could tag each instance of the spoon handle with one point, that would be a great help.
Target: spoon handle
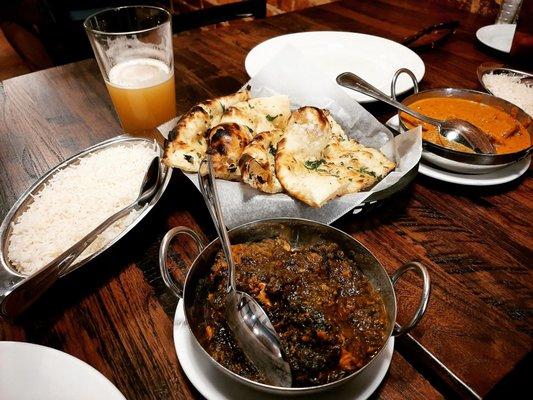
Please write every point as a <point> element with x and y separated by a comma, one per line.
<point>209,192</point>
<point>352,81</point>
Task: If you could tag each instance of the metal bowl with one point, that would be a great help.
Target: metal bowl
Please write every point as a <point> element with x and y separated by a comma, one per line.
<point>453,160</point>
<point>494,68</point>
<point>9,276</point>
<point>473,159</point>
<point>298,232</point>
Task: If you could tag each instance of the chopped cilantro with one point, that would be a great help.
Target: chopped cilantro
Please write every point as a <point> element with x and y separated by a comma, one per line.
<point>271,118</point>
<point>365,170</point>
<point>313,164</point>
<point>249,129</point>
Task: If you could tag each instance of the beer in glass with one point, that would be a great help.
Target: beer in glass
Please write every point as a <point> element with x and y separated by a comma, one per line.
<point>133,48</point>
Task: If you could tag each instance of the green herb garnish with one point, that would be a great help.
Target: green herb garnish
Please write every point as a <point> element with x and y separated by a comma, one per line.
<point>271,118</point>
<point>188,158</point>
<point>314,164</point>
<point>365,170</point>
<point>272,150</point>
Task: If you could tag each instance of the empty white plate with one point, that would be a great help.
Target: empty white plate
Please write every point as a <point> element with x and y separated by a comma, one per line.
<point>373,58</point>
<point>215,385</point>
<point>29,372</point>
<point>497,36</point>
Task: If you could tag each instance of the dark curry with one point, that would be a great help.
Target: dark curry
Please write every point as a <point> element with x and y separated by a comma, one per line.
<point>507,134</point>
<point>330,319</point>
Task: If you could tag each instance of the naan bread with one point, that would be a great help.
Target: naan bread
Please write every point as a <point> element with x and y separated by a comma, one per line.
<point>238,125</point>
<point>186,144</point>
<point>227,141</point>
<point>257,162</point>
<point>315,164</point>
<point>260,114</point>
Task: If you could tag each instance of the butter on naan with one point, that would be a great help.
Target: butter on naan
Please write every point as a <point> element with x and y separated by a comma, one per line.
<point>315,164</point>
<point>187,143</point>
<point>257,162</point>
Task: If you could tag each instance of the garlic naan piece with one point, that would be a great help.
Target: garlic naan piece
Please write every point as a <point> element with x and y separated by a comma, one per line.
<point>260,114</point>
<point>258,162</point>
<point>238,125</point>
<point>314,164</point>
<point>227,141</point>
<point>186,144</point>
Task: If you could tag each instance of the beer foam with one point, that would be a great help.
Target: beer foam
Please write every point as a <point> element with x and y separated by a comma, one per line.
<point>139,73</point>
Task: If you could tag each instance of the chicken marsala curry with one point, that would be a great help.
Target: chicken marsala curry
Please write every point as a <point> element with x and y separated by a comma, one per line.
<point>507,134</point>
<point>330,319</point>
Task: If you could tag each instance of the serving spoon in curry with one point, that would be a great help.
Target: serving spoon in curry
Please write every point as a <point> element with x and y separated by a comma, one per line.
<point>454,130</point>
<point>248,321</point>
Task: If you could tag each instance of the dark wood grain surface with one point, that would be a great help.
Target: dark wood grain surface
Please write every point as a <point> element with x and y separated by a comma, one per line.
<point>116,314</point>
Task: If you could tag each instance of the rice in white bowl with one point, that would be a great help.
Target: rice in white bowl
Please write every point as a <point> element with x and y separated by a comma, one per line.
<point>75,201</point>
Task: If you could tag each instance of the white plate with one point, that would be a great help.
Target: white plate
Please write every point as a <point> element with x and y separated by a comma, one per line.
<point>373,58</point>
<point>29,372</point>
<point>503,175</point>
<point>497,36</point>
<point>214,385</point>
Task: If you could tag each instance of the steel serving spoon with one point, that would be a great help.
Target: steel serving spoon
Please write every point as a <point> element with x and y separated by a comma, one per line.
<point>29,289</point>
<point>455,130</point>
<point>248,321</point>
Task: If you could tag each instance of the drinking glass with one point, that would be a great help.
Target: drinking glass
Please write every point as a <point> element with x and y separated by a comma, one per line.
<point>133,48</point>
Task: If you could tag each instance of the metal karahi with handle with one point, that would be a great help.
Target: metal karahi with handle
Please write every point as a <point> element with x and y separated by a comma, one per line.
<point>457,160</point>
<point>298,232</point>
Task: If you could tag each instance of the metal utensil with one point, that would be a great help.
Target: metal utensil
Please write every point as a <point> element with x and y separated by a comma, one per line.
<point>22,295</point>
<point>250,324</point>
<point>431,36</point>
<point>455,130</point>
<point>495,68</point>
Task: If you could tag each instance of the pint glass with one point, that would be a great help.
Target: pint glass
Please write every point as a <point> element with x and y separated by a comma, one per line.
<point>133,48</point>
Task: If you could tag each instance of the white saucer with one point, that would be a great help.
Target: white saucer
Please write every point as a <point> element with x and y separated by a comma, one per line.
<point>214,385</point>
<point>29,371</point>
<point>373,58</point>
<point>498,177</point>
<point>497,36</point>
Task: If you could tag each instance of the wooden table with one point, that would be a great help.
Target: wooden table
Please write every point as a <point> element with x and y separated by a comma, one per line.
<point>116,314</point>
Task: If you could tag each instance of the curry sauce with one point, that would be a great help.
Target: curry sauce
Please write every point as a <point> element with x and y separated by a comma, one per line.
<point>330,319</point>
<point>508,134</point>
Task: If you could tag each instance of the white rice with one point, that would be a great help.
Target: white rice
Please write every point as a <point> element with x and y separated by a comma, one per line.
<point>75,201</point>
<point>508,87</point>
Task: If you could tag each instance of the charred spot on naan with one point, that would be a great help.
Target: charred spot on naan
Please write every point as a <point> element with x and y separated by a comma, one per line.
<point>257,162</point>
<point>226,144</point>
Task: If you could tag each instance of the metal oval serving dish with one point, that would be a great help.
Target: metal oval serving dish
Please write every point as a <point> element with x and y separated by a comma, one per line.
<point>297,232</point>
<point>9,276</point>
<point>473,163</point>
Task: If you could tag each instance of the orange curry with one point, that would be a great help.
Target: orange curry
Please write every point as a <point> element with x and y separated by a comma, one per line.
<point>508,134</point>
